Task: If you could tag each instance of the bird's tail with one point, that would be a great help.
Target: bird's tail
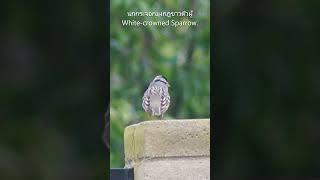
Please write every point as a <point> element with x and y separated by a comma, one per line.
<point>156,111</point>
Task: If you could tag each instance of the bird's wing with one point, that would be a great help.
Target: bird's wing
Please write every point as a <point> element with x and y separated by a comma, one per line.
<point>165,102</point>
<point>146,101</point>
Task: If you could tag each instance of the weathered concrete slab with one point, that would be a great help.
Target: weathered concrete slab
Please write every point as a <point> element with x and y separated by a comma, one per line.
<point>191,168</point>
<point>177,146</point>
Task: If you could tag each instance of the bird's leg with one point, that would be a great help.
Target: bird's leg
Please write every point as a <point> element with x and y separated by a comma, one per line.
<point>151,117</point>
<point>161,116</point>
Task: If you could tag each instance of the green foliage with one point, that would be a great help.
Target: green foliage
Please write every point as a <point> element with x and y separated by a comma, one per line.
<point>138,54</point>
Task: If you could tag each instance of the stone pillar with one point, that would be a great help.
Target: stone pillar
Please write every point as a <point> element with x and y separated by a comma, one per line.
<point>169,149</point>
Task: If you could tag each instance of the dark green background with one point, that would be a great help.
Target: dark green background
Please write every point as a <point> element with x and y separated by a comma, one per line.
<point>266,89</point>
<point>53,90</point>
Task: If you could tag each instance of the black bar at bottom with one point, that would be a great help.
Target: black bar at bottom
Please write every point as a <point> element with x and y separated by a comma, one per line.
<point>121,174</point>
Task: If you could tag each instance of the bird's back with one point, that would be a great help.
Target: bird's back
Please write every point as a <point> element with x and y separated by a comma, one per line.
<point>155,104</point>
<point>153,99</point>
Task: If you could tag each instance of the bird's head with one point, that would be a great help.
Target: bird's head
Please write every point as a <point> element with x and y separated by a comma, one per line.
<point>161,78</point>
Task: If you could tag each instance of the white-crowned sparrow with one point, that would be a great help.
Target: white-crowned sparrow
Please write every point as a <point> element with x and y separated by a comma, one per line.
<point>156,98</point>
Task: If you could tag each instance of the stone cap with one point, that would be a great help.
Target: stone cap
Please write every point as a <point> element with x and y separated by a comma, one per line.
<point>167,138</point>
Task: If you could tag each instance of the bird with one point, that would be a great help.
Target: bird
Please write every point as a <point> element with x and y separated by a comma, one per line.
<point>156,99</point>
